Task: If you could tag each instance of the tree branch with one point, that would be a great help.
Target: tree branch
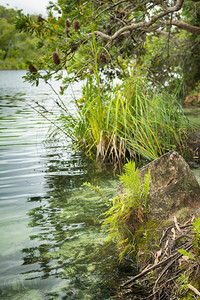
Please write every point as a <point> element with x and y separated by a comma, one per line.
<point>108,8</point>
<point>184,26</point>
<point>144,24</point>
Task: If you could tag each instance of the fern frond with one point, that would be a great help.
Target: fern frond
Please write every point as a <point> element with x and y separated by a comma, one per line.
<point>127,206</point>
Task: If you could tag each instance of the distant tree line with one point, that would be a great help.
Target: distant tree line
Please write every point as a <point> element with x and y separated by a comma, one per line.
<point>16,49</point>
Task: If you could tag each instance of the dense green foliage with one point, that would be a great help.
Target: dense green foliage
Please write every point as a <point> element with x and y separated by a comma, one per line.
<point>127,32</point>
<point>16,49</point>
<point>135,42</point>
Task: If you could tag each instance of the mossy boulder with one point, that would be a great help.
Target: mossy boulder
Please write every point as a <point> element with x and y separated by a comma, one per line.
<point>172,187</point>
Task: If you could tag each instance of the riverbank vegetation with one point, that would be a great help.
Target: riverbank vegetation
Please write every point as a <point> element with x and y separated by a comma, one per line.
<point>129,211</point>
<point>133,119</point>
<point>172,271</point>
<point>146,47</point>
<point>161,256</point>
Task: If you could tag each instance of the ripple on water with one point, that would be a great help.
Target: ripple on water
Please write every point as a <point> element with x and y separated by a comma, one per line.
<point>52,245</point>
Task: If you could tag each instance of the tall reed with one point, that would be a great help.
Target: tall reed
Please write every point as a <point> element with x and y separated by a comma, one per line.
<point>133,119</point>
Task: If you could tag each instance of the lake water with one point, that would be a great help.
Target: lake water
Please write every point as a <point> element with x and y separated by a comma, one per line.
<point>51,242</point>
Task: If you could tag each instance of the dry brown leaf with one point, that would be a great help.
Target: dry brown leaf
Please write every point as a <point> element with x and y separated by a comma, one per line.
<point>140,214</point>
<point>184,257</point>
<point>181,261</point>
<point>166,244</point>
<point>146,268</point>
<point>188,221</point>
<point>158,254</point>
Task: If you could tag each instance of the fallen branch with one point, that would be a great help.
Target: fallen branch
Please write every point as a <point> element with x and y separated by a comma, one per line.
<point>159,280</point>
<point>141,274</point>
<point>172,258</point>
<point>176,224</point>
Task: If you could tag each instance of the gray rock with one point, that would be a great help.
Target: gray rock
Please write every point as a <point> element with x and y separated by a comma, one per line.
<point>172,186</point>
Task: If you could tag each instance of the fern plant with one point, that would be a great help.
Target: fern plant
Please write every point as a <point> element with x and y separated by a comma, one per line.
<point>128,212</point>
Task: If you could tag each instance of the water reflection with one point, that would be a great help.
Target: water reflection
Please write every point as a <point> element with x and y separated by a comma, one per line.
<point>52,245</point>
<point>69,243</point>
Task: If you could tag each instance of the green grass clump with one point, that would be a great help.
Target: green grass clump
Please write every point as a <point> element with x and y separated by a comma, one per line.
<point>132,119</point>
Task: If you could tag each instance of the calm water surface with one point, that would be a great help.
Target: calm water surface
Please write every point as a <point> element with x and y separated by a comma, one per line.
<point>51,242</point>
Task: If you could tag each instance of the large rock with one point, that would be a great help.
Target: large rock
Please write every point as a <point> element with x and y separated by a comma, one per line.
<point>192,99</point>
<point>172,186</point>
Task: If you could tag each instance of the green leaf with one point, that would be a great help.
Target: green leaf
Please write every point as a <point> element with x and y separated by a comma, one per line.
<point>188,254</point>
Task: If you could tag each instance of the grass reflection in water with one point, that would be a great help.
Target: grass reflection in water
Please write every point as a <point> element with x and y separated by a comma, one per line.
<point>52,245</point>
<point>69,244</point>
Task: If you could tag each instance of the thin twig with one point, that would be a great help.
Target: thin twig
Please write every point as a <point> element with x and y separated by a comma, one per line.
<point>164,234</point>
<point>162,263</point>
<point>192,288</point>
<point>49,120</point>
<point>164,270</point>
<point>108,8</point>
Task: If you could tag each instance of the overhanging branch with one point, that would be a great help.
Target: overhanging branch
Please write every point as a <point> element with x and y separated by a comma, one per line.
<point>184,26</point>
<point>145,24</point>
